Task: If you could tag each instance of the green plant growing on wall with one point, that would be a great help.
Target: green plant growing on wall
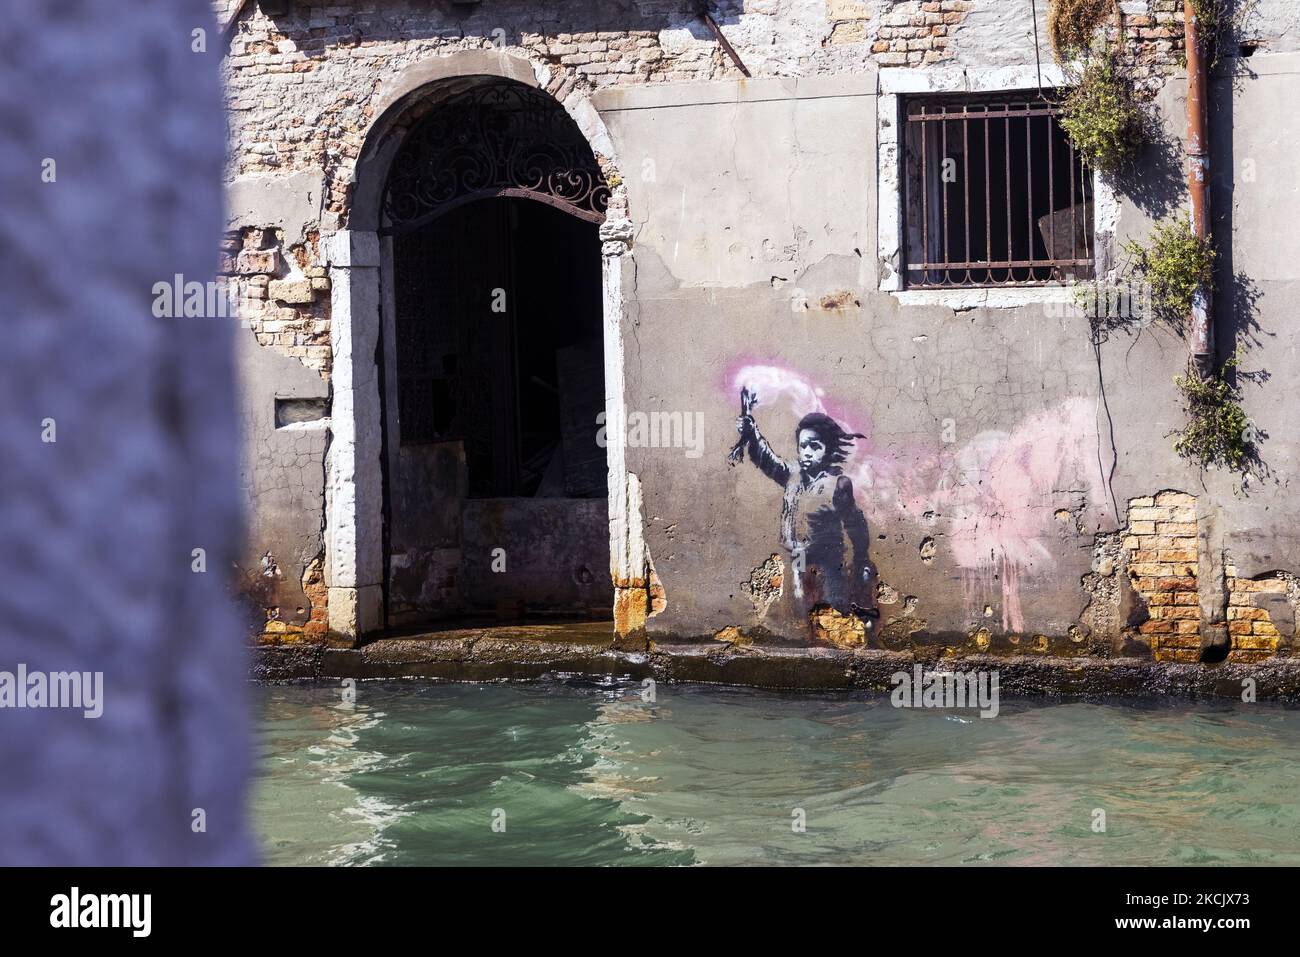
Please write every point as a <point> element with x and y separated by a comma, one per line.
<point>1102,118</point>
<point>1217,433</point>
<point>1213,23</point>
<point>1175,262</point>
<point>1211,17</point>
<point>1216,23</point>
<point>1071,24</point>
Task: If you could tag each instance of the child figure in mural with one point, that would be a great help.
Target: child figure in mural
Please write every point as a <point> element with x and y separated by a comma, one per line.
<point>818,512</point>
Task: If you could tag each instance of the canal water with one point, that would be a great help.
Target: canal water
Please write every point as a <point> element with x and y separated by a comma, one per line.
<point>563,772</point>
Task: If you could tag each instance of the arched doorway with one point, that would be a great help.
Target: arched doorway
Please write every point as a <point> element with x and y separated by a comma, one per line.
<point>493,362</point>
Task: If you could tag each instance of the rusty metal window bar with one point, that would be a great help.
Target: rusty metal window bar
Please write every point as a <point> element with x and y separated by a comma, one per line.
<point>993,194</point>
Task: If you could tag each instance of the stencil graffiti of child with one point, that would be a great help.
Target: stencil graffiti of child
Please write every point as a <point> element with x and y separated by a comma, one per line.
<point>818,512</point>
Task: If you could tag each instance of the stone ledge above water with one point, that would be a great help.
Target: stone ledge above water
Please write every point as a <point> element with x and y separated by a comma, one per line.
<point>512,653</point>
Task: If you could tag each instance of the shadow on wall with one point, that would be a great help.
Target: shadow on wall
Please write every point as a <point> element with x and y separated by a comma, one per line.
<point>1156,182</point>
<point>1237,329</point>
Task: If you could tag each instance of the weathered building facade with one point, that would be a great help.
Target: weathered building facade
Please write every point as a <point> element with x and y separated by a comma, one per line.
<point>551,308</point>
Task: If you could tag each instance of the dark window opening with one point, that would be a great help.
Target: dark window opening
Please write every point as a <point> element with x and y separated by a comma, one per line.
<point>993,193</point>
<point>499,346</point>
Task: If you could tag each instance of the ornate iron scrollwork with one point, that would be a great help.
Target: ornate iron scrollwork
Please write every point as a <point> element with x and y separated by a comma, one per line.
<point>496,139</point>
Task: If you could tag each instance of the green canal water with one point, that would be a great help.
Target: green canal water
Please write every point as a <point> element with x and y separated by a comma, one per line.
<point>584,774</point>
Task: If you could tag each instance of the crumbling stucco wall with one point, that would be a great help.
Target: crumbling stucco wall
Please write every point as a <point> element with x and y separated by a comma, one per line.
<point>1003,446</point>
<point>1002,449</point>
<point>303,85</point>
<point>282,478</point>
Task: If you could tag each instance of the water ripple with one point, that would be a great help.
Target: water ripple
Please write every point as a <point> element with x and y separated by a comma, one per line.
<point>575,773</point>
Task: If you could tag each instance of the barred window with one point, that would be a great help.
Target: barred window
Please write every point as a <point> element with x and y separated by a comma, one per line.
<point>993,192</point>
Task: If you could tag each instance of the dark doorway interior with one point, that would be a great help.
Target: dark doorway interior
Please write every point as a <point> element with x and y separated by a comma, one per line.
<point>499,346</point>
<point>497,486</point>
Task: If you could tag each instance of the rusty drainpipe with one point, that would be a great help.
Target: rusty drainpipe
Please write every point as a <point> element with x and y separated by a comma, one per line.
<point>1201,322</point>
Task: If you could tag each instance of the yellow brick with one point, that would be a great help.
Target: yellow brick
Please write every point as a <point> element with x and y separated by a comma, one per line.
<point>1175,498</point>
<point>1181,611</point>
<point>1156,627</point>
<point>1186,598</point>
<point>1238,613</point>
<point>1145,501</point>
<point>1188,627</point>
<point>1153,570</point>
<point>1142,528</point>
<point>1183,513</point>
<point>1273,586</point>
<point>1266,628</point>
<point>1175,555</point>
<point>1254,643</point>
<point>1177,528</point>
<point>1154,513</point>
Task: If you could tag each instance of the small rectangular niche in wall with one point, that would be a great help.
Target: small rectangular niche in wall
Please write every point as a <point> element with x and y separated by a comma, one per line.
<point>291,411</point>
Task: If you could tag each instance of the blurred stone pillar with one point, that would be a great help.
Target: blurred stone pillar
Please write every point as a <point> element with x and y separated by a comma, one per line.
<point>112,140</point>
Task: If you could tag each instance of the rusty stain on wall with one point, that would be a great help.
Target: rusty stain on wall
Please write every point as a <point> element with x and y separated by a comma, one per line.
<point>839,629</point>
<point>636,600</point>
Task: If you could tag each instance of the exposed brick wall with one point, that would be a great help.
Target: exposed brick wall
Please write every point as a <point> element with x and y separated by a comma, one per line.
<point>283,295</point>
<point>301,86</point>
<point>1152,44</point>
<point>1161,555</point>
<point>1161,552</point>
<point>914,33</point>
<point>1253,632</point>
<point>278,631</point>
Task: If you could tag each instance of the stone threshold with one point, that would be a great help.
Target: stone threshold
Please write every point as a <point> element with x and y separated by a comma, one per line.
<point>528,652</point>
